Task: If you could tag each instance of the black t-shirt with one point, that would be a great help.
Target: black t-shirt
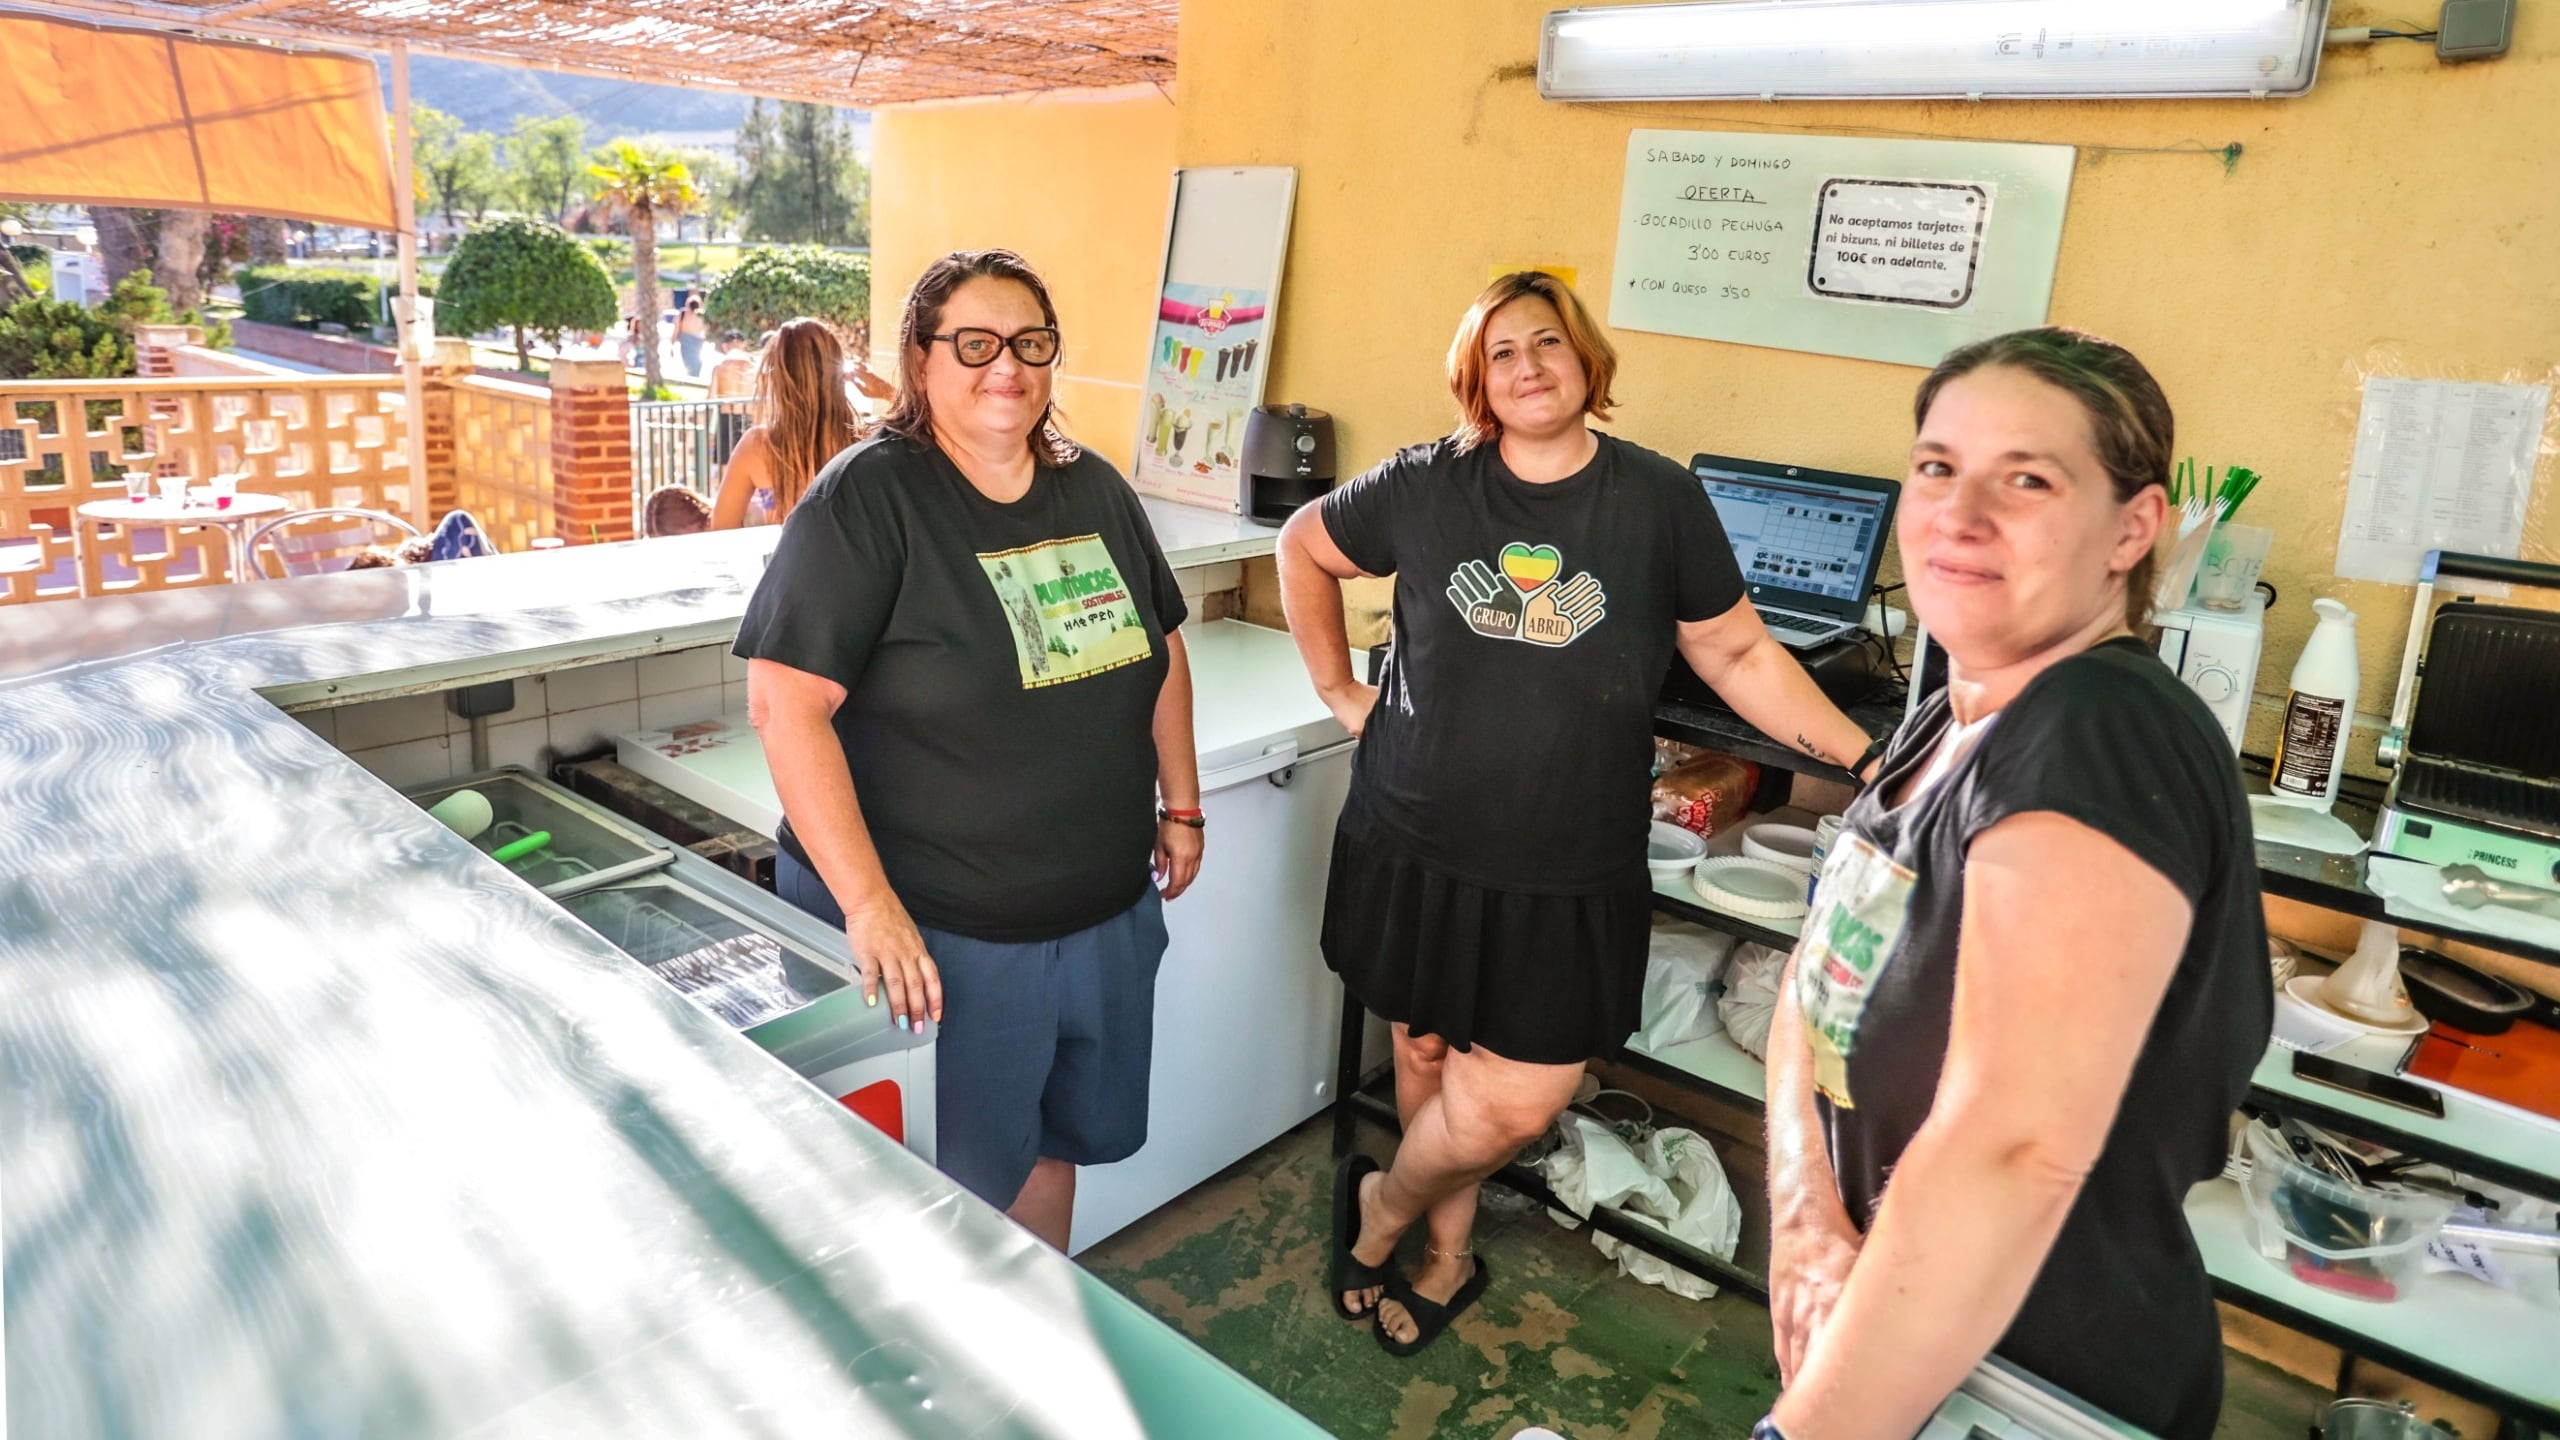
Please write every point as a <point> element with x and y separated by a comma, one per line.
<point>1513,738</point>
<point>1001,664</point>
<point>2122,1314</point>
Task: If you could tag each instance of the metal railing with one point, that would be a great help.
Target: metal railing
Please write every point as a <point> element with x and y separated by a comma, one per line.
<point>682,442</point>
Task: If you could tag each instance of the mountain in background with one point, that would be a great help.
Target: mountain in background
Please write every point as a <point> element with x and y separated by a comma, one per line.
<point>491,97</point>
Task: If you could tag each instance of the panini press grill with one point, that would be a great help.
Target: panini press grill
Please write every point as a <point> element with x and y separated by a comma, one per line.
<point>2474,742</point>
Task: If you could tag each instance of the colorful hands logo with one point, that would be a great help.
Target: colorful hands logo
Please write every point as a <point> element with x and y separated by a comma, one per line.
<point>1523,602</point>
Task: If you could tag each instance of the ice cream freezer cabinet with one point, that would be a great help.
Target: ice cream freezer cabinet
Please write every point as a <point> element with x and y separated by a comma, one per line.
<point>773,974</point>
<point>1247,1016</point>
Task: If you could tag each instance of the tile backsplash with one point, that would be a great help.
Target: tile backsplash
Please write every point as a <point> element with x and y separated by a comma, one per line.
<point>417,739</point>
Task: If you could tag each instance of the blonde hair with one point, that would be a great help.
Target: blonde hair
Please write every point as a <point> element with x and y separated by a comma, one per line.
<point>801,404</point>
<point>1476,422</point>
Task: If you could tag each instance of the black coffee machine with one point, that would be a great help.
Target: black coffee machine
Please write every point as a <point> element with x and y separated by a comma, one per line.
<point>1288,460</point>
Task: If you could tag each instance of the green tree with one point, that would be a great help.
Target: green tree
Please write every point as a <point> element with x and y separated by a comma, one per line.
<point>457,167</point>
<point>804,180</point>
<point>523,275</point>
<point>547,161</point>
<point>771,286</point>
<point>756,145</point>
<point>716,179</point>
<point>637,186</point>
<point>15,283</point>
<point>43,339</point>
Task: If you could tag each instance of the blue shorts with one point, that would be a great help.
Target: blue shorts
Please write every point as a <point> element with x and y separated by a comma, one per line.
<point>1044,1047</point>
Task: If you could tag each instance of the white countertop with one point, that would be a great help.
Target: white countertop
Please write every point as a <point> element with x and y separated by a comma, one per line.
<point>333,638</point>
<point>1191,535</point>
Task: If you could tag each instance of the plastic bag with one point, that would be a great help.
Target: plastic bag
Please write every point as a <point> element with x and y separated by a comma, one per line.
<point>1705,794</point>
<point>1704,1212</point>
<point>1679,984</point>
<point>1751,996</point>
<point>1595,1167</point>
<point>1674,1183</point>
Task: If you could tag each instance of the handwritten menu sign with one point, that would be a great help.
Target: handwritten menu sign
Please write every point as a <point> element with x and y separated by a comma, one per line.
<point>1896,250</point>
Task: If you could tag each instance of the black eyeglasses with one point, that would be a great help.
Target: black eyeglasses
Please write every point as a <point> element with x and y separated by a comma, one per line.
<point>978,349</point>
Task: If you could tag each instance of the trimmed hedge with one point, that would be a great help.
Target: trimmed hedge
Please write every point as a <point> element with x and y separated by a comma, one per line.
<point>769,286</point>
<point>304,297</point>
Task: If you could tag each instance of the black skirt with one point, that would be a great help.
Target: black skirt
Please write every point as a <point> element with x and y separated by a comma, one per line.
<point>1543,979</point>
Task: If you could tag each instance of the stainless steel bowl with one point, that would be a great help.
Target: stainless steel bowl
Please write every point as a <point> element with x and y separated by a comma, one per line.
<point>2377,1420</point>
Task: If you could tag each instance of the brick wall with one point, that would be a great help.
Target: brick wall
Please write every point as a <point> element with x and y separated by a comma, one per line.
<point>591,450</point>
<point>305,347</point>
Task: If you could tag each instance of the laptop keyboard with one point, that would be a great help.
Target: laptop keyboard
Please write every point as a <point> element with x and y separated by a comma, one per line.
<point>1800,632</point>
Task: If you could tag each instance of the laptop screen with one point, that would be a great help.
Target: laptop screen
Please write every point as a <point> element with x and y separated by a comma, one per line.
<point>1807,540</point>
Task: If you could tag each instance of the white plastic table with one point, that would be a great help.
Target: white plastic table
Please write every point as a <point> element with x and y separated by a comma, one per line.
<point>245,507</point>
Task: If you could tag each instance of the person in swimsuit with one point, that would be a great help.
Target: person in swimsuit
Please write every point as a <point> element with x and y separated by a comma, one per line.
<point>801,419</point>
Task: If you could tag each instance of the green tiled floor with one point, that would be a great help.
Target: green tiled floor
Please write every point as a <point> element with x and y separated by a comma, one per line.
<point>1560,1339</point>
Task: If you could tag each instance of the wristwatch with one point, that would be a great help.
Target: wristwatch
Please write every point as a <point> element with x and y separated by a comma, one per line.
<point>1192,818</point>
<point>1867,757</point>
<point>1766,1429</point>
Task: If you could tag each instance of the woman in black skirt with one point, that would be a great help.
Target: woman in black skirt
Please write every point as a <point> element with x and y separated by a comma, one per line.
<point>1489,893</point>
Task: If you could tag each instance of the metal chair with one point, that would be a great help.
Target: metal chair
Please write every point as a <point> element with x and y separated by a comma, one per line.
<point>326,550</point>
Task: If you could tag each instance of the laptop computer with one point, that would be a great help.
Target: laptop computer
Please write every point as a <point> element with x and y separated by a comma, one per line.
<point>1808,541</point>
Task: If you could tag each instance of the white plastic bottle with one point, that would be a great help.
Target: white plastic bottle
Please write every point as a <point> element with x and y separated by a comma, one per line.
<point>2319,709</point>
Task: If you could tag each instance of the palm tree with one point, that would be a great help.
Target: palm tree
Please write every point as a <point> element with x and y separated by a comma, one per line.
<point>640,185</point>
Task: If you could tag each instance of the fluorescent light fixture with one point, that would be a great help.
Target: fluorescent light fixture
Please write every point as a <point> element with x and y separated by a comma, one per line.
<point>1932,49</point>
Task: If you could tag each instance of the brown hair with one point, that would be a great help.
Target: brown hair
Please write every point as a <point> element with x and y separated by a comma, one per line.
<point>910,415</point>
<point>800,402</point>
<point>674,510</point>
<point>1476,424</point>
<point>2129,418</point>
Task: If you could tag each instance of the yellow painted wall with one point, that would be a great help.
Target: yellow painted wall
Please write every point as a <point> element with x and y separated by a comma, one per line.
<point>1074,180</point>
<point>2403,205</point>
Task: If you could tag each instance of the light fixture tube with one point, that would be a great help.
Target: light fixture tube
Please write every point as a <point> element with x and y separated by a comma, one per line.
<point>1932,49</point>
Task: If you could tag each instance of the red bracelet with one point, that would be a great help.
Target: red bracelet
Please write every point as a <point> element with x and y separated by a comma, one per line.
<point>1180,814</point>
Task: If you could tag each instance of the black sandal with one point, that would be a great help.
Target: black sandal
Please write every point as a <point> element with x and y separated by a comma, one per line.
<point>1429,1317</point>
<point>1346,1272</point>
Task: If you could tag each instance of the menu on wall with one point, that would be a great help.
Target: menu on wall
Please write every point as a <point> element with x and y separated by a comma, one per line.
<point>2439,465</point>
<point>1896,250</point>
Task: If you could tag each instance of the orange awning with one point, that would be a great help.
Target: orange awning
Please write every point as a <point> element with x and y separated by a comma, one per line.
<point>135,117</point>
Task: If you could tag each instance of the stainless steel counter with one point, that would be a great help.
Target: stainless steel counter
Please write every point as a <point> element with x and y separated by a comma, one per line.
<point>313,1121</point>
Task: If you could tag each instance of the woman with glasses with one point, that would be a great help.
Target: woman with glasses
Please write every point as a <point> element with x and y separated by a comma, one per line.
<point>802,420</point>
<point>964,664</point>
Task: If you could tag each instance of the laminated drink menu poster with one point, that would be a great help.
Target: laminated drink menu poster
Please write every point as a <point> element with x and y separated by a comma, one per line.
<point>1226,239</point>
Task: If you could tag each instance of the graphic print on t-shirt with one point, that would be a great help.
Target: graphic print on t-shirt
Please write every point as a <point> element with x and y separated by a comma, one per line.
<point>1857,920</point>
<point>1523,601</point>
<point>1070,613</point>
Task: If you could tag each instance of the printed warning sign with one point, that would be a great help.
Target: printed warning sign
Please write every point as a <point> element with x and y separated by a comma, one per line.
<point>1899,242</point>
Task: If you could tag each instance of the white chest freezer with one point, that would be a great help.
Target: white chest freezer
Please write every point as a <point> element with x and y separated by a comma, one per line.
<point>1247,1016</point>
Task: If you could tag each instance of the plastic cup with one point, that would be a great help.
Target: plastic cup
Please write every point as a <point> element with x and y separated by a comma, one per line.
<point>225,488</point>
<point>2232,562</point>
<point>173,489</point>
<point>137,486</point>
